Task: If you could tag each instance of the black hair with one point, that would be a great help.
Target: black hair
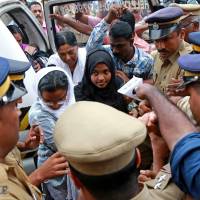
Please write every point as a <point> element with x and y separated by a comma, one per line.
<point>34,3</point>
<point>65,37</point>
<point>14,29</point>
<point>52,81</point>
<point>120,29</point>
<point>116,186</point>
<point>129,18</point>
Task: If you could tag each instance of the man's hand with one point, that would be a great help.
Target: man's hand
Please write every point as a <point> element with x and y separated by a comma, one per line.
<point>172,90</point>
<point>143,90</point>
<point>54,166</point>
<point>122,75</point>
<point>34,138</point>
<point>159,146</point>
<point>57,17</point>
<point>146,175</point>
<point>115,12</point>
<point>144,107</point>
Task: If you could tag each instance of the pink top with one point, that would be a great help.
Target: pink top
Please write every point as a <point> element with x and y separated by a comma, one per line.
<point>93,21</point>
<point>44,26</point>
<point>142,44</point>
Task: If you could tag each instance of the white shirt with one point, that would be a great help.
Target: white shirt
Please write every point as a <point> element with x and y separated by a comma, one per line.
<point>79,69</point>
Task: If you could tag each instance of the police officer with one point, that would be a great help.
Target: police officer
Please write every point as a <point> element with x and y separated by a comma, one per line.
<point>183,103</point>
<point>190,23</point>
<point>103,156</point>
<point>191,78</point>
<point>179,133</point>
<point>165,30</point>
<point>14,183</point>
<point>56,165</point>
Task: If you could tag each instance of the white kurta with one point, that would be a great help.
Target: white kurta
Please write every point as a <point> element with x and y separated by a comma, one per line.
<point>79,69</point>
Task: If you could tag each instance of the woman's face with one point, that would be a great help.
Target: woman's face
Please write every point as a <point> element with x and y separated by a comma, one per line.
<point>18,37</point>
<point>68,54</point>
<point>54,99</point>
<point>101,75</point>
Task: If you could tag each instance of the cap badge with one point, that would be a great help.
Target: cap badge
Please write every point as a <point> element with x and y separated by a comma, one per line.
<point>155,26</point>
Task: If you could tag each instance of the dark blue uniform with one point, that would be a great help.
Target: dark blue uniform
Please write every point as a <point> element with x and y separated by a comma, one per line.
<point>185,158</point>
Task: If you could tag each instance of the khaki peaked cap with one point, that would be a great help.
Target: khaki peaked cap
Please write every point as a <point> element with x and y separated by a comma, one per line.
<point>97,139</point>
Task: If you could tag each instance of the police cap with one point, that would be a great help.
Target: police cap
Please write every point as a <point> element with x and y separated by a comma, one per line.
<point>190,63</point>
<point>97,139</point>
<point>8,91</point>
<point>163,22</point>
<point>17,69</point>
<point>194,39</point>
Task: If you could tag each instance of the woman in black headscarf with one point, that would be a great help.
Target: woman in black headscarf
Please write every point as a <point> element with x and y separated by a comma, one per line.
<point>99,82</point>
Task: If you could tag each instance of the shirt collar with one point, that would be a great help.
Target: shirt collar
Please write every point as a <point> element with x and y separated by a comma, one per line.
<point>178,52</point>
<point>134,58</point>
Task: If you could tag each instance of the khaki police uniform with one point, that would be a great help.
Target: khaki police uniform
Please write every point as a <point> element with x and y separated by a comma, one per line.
<point>165,71</point>
<point>161,188</point>
<point>104,143</point>
<point>14,183</point>
<point>184,105</point>
<point>15,156</point>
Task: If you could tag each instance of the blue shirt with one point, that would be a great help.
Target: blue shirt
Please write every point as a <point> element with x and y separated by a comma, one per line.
<point>140,65</point>
<point>185,164</point>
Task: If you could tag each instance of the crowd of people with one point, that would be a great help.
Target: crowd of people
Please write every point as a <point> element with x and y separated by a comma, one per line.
<point>93,142</point>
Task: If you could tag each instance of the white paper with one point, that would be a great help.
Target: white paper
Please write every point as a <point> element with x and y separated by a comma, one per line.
<point>130,86</point>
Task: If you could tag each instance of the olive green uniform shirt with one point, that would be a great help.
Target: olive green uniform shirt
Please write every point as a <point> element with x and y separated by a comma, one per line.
<point>165,71</point>
<point>14,183</point>
<point>160,188</point>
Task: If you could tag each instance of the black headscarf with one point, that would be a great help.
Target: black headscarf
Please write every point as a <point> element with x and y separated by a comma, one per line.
<point>87,91</point>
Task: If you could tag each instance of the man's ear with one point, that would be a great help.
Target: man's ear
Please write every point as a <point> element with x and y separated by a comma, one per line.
<point>132,40</point>
<point>138,157</point>
<point>196,26</point>
<point>182,33</point>
<point>76,181</point>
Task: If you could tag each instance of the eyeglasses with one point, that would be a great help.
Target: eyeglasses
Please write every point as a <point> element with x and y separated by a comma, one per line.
<point>50,104</point>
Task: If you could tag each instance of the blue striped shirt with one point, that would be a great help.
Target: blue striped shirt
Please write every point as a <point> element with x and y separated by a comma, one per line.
<point>141,65</point>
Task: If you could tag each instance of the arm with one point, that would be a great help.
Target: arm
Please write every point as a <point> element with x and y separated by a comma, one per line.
<point>79,26</point>
<point>181,137</point>
<point>54,166</point>
<point>34,138</point>
<point>97,35</point>
<point>81,17</point>
<point>96,38</point>
<point>159,146</point>
<point>173,124</point>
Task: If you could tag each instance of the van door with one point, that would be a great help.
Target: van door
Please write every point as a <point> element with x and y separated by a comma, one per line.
<point>15,12</point>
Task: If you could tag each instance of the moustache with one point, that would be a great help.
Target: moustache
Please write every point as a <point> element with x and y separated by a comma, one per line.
<point>162,51</point>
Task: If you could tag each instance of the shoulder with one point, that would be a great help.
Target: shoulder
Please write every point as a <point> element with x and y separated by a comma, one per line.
<point>3,172</point>
<point>185,48</point>
<point>55,60</point>
<point>143,54</point>
<point>143,59</point>
<point>79,93</point>
<point>40,116</point>
<point>82,54</point>
<point>162,186</point>
<point>82,51</point>
<point>154,54</point>
<point>54,56</point>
